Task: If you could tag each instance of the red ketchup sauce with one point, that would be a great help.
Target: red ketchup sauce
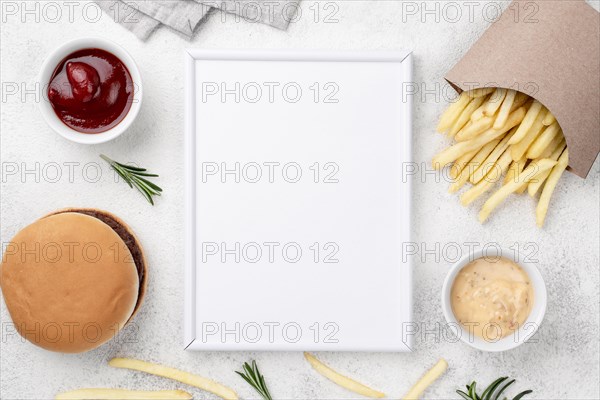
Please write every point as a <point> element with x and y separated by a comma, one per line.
<point>91,91</point>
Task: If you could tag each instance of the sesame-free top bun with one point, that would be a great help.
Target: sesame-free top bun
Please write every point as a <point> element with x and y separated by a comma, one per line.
<point>69,282</point>
<point>127,235</point>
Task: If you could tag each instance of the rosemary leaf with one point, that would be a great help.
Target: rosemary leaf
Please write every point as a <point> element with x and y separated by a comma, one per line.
<point>252,375</point>
<point>133,176</point>
<point>488,394</point>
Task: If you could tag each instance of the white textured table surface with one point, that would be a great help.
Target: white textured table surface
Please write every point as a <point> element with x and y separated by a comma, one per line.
<point>562,364</point>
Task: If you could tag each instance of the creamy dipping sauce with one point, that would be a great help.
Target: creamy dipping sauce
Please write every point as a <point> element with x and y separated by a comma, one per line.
<point>492,298</point>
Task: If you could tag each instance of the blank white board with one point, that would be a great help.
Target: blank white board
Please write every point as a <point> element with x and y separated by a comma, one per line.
<point>296,204</point>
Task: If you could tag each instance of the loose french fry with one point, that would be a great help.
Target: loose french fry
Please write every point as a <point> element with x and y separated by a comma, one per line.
<point>452,153</point>
<point>534,169</point>
<point>465,115</point>
<point>543,141</point>
<point>342,380</point>
<point>175,374</point>
<point>426,380</point>
<point>527,122</point>
<point>474,128</point>
<point>536,184</point>
<point>488,163</point>
<point>480,92</point>
<point>453,112</point>
<point>493,176</point>
<point>460,164</point>
<point>505,109</point>
<point>481,155</point>
<point>124,394</point>
<point>550,119</point>
<point>519,149</point>
<point>557,171</point>
<point>495,102</point>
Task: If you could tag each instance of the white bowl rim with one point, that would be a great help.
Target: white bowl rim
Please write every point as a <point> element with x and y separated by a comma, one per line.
<point>48,68</point>
<point>534,319</point>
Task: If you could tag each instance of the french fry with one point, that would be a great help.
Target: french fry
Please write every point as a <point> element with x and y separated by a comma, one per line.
<point>124,394</point>
<point>527,122</point>
<point>480,92</point>
<point>478,114</point>
<point>520,100</point>
<point>550,119</point>
<point>452,153</point>
<point>519,149</point>
<point>559,140</point>
<point>460,164</point>
<point>342,380</point>
<point>493,176</point>
<point>483,169</point>
<point>543,141</point>
<point>521,189</point>
<point>453,112</point>
<point>465,115</point>
<point>426,380</point>
<point>533,170</point>
<point>481,155</point>
<point>495,102</point>
<point>505,109</point>
<point>536,184</point>
<point>175,374</point>
<point>474,128</point>
<point>514,171</point>
<point>557,171</point>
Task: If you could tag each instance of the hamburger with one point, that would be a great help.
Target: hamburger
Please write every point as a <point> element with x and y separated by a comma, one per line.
<point>72,279</point>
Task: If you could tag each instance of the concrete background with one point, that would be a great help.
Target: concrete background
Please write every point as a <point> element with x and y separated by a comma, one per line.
<point>562,364</point>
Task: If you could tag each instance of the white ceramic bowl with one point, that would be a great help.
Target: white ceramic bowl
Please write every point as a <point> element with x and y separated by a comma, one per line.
<point>50,65</point>
<point>529,327</point>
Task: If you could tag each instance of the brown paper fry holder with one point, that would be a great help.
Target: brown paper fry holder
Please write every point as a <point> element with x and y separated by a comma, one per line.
<point>554,56</point>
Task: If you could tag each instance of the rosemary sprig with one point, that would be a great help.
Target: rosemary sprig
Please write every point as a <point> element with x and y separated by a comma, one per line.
<point>252,375</point>
<point>134,177</point>
<point>492,392</point>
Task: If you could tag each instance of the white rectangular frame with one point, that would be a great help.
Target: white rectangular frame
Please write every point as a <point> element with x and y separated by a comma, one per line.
<point>405,61</point>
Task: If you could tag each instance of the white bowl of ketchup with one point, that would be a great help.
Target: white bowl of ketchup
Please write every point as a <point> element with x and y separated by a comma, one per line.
<point>92,90</point>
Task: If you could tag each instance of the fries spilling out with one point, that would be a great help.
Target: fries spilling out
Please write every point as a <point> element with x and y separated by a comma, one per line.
<point>506,138</point>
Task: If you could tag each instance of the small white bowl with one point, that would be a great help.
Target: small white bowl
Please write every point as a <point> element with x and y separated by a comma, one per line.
<point>530,326</point>
<point>50,65</point>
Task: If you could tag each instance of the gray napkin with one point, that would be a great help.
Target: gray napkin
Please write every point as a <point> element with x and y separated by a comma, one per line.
<point>142,17</point>
<point>181,15</point>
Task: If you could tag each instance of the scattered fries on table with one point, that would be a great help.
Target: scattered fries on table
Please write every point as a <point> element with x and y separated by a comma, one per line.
<point>123,394</point>
<point>426,380</point>
<point>175,374</point>
<point>342,380</point>
<point>502,132</point>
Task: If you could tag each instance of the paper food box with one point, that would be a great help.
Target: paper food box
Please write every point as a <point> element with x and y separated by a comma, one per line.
<point>549,50</point>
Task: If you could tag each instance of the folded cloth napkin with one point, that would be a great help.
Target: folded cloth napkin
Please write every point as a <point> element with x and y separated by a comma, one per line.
<point>181,15</point>
<point>142,17</point>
